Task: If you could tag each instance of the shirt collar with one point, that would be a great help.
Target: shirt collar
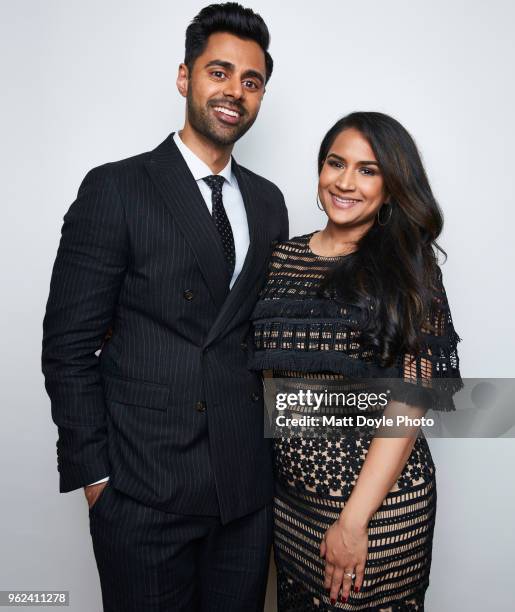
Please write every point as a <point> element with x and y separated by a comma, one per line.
<point>197,167</point>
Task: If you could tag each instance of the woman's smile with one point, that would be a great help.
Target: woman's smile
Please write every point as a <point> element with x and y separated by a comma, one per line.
<point>344,202</point>
<point>351,186</point>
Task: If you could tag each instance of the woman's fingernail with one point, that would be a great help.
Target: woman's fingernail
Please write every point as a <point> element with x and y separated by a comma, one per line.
<point>344,599</point>
<point>333,601</point>
<point>356,589</point>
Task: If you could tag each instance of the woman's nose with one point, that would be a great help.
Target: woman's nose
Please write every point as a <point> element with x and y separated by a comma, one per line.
<point>345,181</point>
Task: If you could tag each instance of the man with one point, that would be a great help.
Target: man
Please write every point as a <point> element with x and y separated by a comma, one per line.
<point>159,265</point>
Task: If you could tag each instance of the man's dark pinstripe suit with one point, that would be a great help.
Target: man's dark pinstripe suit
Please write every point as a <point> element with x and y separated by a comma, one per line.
<point>168,409</point>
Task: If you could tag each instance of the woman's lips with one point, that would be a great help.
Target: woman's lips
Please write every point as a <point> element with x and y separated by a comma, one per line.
<point>344,203</point>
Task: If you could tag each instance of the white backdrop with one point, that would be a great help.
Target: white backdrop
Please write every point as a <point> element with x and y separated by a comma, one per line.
<point>89,82</point>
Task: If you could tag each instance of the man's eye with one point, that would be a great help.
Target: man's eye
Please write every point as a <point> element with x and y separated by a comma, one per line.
<point>250,84</point>
<point>218,74</point>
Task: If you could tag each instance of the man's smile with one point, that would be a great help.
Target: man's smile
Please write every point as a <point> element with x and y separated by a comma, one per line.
<point>227,115</point>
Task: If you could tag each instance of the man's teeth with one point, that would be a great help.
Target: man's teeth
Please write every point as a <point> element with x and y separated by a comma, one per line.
<point>226,111</point>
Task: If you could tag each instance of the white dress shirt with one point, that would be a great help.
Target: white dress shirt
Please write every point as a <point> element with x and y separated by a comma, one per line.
<point>233,204</point>
<point>231,195</point>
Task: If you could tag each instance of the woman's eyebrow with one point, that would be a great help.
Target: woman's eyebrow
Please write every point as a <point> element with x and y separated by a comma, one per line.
<point>363,163</point>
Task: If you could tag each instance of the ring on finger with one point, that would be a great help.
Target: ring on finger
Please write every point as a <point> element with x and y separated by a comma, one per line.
<point>351,576</point>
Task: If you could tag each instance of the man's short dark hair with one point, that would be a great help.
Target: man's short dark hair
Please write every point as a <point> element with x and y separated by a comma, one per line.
<point>229,17</point>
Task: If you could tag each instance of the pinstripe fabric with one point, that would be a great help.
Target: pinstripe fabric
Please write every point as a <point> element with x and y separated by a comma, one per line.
<point>154,561</point>
<point>140,256</point>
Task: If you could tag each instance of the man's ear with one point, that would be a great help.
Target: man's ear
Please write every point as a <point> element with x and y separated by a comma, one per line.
<point>183,80</point>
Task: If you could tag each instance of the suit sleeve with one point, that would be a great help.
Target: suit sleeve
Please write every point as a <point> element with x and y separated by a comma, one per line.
<point>285,223</point>
<point>86,280</point>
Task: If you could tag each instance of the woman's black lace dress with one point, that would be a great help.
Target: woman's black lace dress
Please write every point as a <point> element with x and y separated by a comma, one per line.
<point>299,335</point>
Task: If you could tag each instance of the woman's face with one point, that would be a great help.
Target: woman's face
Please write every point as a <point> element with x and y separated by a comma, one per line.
<point>350,185</point>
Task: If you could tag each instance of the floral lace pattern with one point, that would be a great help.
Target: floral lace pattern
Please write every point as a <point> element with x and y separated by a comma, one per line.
<point>331,466</point>
<point>298,334</point>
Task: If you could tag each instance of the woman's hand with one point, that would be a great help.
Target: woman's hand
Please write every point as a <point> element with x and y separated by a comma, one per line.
<point>344,548</point>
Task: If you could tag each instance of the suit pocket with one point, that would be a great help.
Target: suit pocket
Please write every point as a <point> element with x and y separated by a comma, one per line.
<point>136,392</point>
<point>100,499</point>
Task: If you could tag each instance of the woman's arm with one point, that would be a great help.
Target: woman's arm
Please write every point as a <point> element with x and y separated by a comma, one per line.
<point>385,460</point>
<point>345,544</point>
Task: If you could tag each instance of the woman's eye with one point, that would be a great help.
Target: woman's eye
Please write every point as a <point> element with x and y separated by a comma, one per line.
<point>335,164</point>
<point>368,171</point>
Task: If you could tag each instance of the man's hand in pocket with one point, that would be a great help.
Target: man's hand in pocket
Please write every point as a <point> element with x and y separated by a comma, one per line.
<point>93,492</point>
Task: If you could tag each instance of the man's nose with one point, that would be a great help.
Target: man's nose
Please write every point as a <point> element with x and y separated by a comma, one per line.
<point>233,88</point>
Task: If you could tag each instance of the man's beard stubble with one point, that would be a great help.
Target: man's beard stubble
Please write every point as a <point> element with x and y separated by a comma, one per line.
<point>208,126</point>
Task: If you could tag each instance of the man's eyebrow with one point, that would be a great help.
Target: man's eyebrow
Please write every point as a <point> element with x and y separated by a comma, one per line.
<point>222,63</point>
<point>363,163</point>
<point>255,74</point>
<point>229,66</point>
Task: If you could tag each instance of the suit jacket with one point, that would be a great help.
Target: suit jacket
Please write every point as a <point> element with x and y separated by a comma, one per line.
<point>166,405</point>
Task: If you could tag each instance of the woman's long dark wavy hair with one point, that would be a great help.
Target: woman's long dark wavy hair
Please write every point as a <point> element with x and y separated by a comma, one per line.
<point>393,274</point>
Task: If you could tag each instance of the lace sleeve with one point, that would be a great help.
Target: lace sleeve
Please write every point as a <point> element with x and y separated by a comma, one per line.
<point>432,377</point>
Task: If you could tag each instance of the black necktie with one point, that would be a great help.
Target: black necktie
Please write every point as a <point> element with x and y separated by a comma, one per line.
<point>223,226</point>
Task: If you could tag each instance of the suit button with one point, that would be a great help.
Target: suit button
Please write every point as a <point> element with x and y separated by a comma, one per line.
<point>255,397</point>
<point>200,406</point>
<point>188,294</point>
<point>243,346</point>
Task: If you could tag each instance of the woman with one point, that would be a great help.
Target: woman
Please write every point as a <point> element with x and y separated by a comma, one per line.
<point>354,511</point>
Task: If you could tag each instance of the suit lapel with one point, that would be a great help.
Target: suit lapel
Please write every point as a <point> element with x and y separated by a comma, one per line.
<point>182,196</point>
<point>259,243</point>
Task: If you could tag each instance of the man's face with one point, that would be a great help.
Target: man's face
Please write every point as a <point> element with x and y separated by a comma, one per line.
<point>225,88</point>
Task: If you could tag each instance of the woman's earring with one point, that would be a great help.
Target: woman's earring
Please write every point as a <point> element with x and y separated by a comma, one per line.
<point>389,213</point>
<point>319,205</point>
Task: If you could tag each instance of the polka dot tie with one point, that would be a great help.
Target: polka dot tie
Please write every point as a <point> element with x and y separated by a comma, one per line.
<point>223,226</point>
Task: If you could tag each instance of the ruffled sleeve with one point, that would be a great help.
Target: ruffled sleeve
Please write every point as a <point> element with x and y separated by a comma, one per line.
<point>295,331</point>
<point>431,379</point>
<point>310,335</point>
